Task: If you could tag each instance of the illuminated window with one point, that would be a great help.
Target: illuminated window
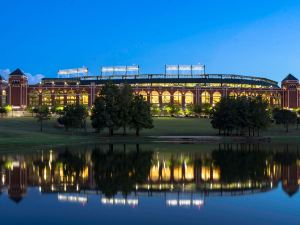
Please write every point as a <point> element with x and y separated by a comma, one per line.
<point>144,94</point>
<point>46,98</point>
<point>84,98</point>
<point>216,97</point>
<point>266,97</point>
<point>59,98</point>
<point>232,94</point>
<point>189,98</point>
<point>243,94</point>
<point>177,98</point>
<point>71,98</point>
<point>3,97</point>
<point>277,100</point>
<point>205,97</point>
<point>166,97</point>
<point>34,98</point>
<point>154,98</point>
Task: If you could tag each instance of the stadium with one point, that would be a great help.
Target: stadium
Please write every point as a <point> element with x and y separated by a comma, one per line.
<point>179,84</point>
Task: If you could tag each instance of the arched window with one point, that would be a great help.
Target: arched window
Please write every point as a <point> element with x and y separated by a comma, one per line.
<point>232,94</point>
<point>205,98</point>
<point>277,99</point>
<point>34,98</point>
<point>144,94</point>
<point>59,98</point>
<point>84,98</point>
<point>177,98</point>
<point>266,97</point>
<point>216,97</point>
<point>166,97</point>
<point>189,98</point>
<point>46,98</point>
<point>71,98</point>
<point>154,98</point>
<point>243,94</point>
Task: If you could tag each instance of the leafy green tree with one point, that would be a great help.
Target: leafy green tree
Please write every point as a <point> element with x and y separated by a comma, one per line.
<point>74,116</point>
<point>43,114</point>
<point>285,117</point>
<point>108,103</point>
<point>98,115</point>
<point>259,116</point>
<point>125,100</point>
<point>238,114</point>
<point>141,115</point>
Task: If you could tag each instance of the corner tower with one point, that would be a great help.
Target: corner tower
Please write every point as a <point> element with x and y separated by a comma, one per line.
<point>18,84</point>
<point>291,87</point>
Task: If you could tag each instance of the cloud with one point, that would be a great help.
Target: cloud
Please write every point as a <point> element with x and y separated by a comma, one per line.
<point>32,79</point>
<point>4,73</point>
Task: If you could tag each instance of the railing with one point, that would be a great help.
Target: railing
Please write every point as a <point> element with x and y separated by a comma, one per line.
<point>180,76</point>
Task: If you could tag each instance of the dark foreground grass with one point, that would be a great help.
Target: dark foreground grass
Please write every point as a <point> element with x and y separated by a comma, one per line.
<point>16,133</point>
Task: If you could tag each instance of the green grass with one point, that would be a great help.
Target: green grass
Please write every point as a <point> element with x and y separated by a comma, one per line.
<point>22,133</point>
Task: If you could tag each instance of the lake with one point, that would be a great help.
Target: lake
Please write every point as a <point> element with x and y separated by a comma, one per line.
<point>152,184</point>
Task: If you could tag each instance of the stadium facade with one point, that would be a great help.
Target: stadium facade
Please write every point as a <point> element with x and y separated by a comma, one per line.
<point>160,89</point>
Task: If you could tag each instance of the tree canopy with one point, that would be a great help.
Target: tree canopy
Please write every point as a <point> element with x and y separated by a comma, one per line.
<point>239,114</point>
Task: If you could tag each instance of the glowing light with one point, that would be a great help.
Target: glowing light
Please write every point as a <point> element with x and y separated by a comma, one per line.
<point>72,198</point>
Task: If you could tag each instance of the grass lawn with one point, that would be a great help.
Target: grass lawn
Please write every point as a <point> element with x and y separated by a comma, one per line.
<point>16,133</point>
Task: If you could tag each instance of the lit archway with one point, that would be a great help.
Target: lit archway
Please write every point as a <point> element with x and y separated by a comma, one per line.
<point>177,97</point>
<point>71,98</point>
<point>166,97</point>
<point>233,94</point>
<point>46,98</point>
<point>144,94</point>
<point>59,98</point>
<point>154,97</point>
<point>34,98</point>
<point>205,97</point>
<point>189,98</point>
<point>84,98</point>
<point>216,97</point>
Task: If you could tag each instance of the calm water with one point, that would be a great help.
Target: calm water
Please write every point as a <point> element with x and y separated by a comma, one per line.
<point>147,184</point>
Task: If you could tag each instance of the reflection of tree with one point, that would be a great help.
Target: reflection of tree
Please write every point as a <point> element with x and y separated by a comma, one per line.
<point>72,163</point>
<point>120,171</point>
<point>238,166</point>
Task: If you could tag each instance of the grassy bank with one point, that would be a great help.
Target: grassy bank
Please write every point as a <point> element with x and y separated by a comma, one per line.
<point>24,133</point>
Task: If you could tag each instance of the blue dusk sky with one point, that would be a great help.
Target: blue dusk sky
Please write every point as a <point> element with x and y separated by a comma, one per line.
<point>254,37</point>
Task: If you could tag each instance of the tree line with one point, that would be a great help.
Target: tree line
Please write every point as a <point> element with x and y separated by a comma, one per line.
<point>116,107</point>
<point>240,115</point>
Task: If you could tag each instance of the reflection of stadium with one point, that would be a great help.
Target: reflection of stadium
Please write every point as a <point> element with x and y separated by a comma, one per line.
<point>159,89</point>
<point>183,179</point>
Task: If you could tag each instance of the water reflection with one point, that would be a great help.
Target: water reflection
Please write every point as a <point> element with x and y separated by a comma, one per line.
<point>120,175</point>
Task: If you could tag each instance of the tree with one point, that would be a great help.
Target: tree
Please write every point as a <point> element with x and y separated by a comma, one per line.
<point>74,116</point>
<point>42,114</point>
<point>141,117</point>
<point>106,112</point>
<point>285,117</point>
<point>98,115</point>
<point>125,100</point>
<point>238,114</point>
